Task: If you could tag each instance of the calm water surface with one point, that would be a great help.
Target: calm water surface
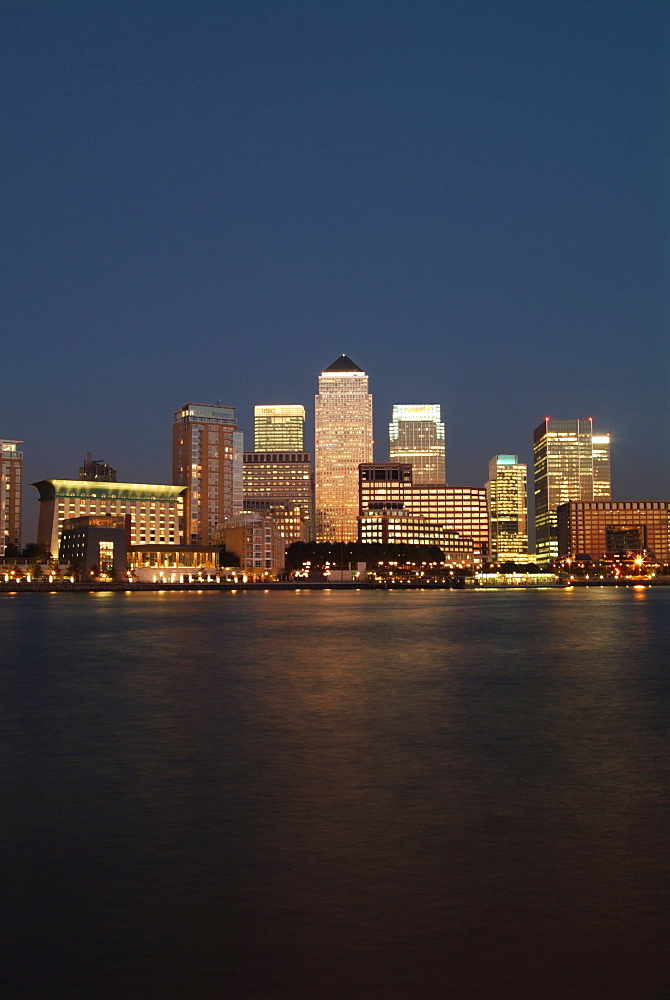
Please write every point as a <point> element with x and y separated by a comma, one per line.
<point>336,795</point>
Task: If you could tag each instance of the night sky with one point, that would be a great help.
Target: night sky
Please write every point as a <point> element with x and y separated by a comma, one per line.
<point>212,201</point>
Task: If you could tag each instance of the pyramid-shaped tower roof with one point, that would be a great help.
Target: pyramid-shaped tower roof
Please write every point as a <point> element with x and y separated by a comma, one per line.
<point>343,364</point>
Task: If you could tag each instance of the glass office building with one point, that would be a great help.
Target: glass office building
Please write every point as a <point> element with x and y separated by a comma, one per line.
<point>416,436</point>
<point>565,469</point>
<point>279,428</point>
<point>507,501</point>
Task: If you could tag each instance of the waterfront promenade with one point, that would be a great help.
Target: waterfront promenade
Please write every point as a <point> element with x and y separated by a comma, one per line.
<point>457,583</point>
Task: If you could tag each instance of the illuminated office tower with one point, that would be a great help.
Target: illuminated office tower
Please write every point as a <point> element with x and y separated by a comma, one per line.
<point>565,470</point>
<point>279,428</point>
<point>278,476</point>
<point>11,488</point>
<point>416,436</point>
<point>207,457</point>
<point>602,480</point>
<point>507,502</point>
<point>343,431</point>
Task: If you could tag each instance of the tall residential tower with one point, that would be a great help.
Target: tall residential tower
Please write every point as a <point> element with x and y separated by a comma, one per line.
<point>343,432</point>
<point>416,436</point>
<point>207,457</point>
<point>570,464</point>
<point>11,492</point>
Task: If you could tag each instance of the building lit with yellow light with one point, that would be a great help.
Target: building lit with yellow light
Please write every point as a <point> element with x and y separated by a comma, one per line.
<point>153,512</point>
<point>507,500</point>
<point>177,564</point>
<point>207,458</point>
<point>257,543</point>
<point>280,483</point>
<point>569,464</point>
<point>416,436</point>
<point>279,428</point>
<point>400,527</point>
<point>11,494</point>
<point>388,487</point>
<point>598,529</point>
<point>343,433</point>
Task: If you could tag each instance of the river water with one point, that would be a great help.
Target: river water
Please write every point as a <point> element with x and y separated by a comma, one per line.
<point>305,795</point>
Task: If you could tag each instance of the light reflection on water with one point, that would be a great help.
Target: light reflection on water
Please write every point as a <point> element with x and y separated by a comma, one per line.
<point>338,794</point>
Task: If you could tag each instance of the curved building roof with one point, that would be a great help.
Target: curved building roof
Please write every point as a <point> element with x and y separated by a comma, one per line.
<point>48,489</point>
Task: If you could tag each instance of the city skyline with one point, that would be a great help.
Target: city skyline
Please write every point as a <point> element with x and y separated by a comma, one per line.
<point>469,200</point>
<point>601,453</point>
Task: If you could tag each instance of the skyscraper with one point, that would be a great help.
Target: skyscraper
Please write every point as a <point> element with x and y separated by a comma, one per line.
<point>277,475</point>
<point>507,502</point>
<point>566,469</point>
<point>207,457</point>
<point>602,478</point>
<point>11,493</point>
<point>279,428</point>
<point>343,431</point>
<point>416,435</point>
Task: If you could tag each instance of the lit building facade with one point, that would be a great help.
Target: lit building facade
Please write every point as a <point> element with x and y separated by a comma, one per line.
<point>416,436</point>
<point>11,494</point>
<point>565,470</point>
<point>257,543</point>
<point>602,528</point>
<point>95,546</point>
<point>507,501</point>
<point>343,431</point>
<point>279,428</point>
<point>280,483</point>
<point>176,564</point>
<point>399,527</point>
<point>602,474</point>
<point>389,487</point>
<point>207,453</point>
<point>153,512</point>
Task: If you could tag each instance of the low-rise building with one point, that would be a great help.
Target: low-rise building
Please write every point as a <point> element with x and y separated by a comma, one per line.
<point>599,529</point>
<point>256,541</point>
<point>399,527</point>
<point>389,486</point>
<point>177,564</point>
<point>95,546</point>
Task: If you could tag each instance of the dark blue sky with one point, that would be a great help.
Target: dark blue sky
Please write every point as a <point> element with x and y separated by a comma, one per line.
<point>212,201</point>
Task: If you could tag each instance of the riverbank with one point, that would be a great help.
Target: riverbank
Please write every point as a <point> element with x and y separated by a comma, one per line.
<point>459,583</point>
